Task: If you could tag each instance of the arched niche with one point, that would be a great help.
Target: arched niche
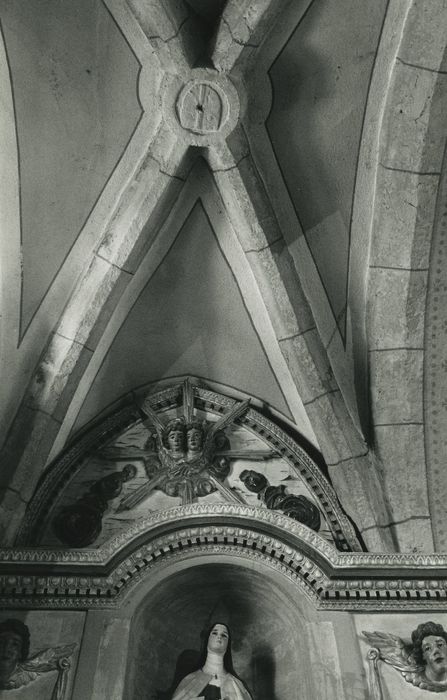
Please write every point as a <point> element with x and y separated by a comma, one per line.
<point>272,631</point>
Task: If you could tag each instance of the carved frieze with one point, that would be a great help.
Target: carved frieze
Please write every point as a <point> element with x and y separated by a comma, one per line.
<point>329,578</point>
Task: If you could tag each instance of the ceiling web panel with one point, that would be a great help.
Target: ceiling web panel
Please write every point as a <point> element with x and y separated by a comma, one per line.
<point>190,319</point>
<point>74,81</point>
<point>320,86</point>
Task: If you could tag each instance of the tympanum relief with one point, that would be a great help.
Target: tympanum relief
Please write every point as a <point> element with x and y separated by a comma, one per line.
<point>179,455</point>
<point>421,661</point>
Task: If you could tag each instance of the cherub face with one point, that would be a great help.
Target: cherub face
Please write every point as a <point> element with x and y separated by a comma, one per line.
<point>218,639</point>
<point>194,439</point>
<point>10,653</point>
<point>434,653</point>
<point>175,439</point>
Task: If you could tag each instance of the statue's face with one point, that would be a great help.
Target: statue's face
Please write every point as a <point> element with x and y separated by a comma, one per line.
<point>194,439</point>
<point>10,652</point>
<point>218,639</point>
<point>175,439</point>
<point>434,652</point>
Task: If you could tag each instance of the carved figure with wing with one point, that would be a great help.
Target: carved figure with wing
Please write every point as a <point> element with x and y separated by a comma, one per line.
<point>17,670</point>
<point>421,661</point>
<point>185,457</point>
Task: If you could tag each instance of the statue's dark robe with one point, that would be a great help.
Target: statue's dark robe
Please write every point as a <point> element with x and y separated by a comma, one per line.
<point>193,685</point>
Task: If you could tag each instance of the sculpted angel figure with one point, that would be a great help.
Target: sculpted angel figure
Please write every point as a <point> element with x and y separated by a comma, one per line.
<point>187,457</point>
<point>187,448</point>
<point>215,678</point>
<point>422,662</point>
<point>17,670</point>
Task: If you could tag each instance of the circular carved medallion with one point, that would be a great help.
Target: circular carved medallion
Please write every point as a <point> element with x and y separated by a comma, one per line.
<point>206,106</point>
<point>202,107</point>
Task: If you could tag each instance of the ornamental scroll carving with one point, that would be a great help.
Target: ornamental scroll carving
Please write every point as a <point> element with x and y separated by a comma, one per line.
<point>275,498</point>
<point>422,662</point>
<point>79,524</point>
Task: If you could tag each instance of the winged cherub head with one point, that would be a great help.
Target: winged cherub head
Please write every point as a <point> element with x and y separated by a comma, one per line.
<point>430,650</point>
<point>174,436</point>
<point>195,436</point>
<point>14,647</point>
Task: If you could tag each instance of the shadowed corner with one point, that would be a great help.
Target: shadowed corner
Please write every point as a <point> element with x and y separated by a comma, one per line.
<point>263,673</point>
<point>187,662</point>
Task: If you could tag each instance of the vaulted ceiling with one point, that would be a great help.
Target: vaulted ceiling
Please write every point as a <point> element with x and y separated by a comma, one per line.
<point>249,192</point>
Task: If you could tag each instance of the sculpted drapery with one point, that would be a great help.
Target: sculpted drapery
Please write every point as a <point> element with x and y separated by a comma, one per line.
<point>215,679</point>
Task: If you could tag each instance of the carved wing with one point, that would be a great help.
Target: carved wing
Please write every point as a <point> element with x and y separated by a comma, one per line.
<point>153,419</point>
<point>21,677</point>
<point>393,650</point>
<point>42,662</point>
<point>168,462</point>
<point>46,659</point>
<point>238,410</point>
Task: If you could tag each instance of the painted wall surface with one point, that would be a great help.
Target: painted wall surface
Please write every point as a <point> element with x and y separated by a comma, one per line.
<point>48,629</point>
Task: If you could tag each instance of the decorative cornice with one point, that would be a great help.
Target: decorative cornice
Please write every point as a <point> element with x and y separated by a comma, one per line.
<point>330,579</point>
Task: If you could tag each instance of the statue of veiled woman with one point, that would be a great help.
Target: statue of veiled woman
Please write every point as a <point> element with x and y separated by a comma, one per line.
<point>215,678</point>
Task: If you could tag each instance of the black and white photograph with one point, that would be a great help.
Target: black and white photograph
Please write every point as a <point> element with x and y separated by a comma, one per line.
<point>223,349</point>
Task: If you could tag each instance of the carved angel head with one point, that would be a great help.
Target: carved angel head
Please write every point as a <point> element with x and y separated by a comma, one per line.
<point>423,662</point>
<point>195,431</point>
<point>14,646</point>
<point>430,650</point>
<point>174,435</point>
